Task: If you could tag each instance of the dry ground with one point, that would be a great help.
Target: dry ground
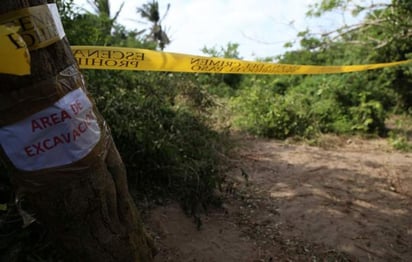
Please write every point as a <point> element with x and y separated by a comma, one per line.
<point>349,200</point>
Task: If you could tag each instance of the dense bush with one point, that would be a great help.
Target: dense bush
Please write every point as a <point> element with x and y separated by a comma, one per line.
<point>159,120</point>
<point>338,103</point>
<point>159,125</point>
<point>261,111</point>
<point>315,104</point>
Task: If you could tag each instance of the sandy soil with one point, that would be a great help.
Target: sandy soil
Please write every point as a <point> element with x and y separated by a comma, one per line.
<point>348,200</point>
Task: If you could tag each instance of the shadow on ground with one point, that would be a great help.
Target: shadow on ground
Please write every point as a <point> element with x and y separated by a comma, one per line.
<point>352,202</point>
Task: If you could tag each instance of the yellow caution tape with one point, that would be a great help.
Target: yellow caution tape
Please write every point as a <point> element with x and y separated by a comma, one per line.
<point>39,26</point>
<point>27,29</point>
<point>14,55</point>
<point>116,58</point>
<point>15,60</point>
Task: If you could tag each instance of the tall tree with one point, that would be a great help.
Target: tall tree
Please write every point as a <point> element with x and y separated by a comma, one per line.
<point>385,23</point>
<point>383,35</point>
<point>150,11</point>
<point>103,10</point>
<point>84,202</point>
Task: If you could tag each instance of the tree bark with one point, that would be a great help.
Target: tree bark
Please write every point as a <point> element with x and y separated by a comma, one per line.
<point>85,205</point>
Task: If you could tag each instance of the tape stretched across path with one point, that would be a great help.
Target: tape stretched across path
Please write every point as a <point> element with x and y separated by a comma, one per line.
<point>39,26</point>
<point>17,61</point>
<point>116,58</point>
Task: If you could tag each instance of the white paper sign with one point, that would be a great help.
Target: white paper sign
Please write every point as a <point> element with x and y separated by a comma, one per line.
<point>59,135</point>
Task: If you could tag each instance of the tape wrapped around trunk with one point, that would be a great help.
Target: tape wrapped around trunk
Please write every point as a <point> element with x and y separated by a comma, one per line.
<point>61,136</point>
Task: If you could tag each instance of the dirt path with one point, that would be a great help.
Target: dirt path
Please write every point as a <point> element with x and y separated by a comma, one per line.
<point>350,201</point>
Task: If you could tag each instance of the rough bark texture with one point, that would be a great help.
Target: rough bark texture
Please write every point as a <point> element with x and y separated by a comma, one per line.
<point>85,205</point>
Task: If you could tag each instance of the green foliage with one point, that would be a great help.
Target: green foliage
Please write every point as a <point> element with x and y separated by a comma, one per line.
<point>305,106</point>
<point>159,121</point>
<point>298,105</point>
<point>339,103</point>
<point>261,111</point>
<point>400,142</point>
<point>383,36</point>
<point>222,84</point>
<point>368,116</point>
<point>318,9</point>
<point>400,134</point>
<point>167,147</point>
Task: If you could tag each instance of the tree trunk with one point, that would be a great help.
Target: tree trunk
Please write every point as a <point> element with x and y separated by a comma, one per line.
<point>85,204</point>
